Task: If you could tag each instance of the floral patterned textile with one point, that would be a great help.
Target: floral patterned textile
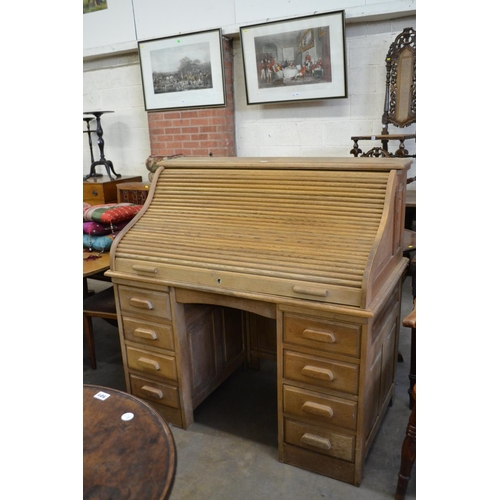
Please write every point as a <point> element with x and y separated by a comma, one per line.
<point>111,213</point>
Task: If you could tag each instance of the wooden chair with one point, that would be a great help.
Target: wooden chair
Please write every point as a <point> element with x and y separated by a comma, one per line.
<point>409,448</point>
<point>400,107</point>
<point>99,305</point>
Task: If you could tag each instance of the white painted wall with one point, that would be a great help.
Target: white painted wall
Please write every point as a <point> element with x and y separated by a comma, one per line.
<point>113,29</point>
<point>311,128</point>
<point>114,83</point>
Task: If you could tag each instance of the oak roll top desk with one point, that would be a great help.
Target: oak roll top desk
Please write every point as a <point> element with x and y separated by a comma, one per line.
<point>303,252</point>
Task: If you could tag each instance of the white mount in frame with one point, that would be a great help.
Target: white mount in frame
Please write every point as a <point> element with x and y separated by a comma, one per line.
<point>296,59</point>
<point>183,71</point>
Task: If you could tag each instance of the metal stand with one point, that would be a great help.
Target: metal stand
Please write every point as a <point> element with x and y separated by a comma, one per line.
<point>100,142</point>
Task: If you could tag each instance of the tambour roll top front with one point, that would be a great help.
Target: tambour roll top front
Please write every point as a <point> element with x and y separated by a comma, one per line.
<point>322,229</point>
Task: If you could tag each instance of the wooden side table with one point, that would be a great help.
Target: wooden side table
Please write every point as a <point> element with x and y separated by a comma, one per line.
<point>94,266</point>
<point>128,449</point>
<point>133,192</point>
<point>99,190</point>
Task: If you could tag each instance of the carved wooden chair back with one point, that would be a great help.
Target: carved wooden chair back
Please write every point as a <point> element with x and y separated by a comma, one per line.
<point>400,105</point>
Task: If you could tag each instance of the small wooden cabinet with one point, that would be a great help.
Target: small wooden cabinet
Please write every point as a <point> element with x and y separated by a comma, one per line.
<point>100,190</point>
<point>133,192</point>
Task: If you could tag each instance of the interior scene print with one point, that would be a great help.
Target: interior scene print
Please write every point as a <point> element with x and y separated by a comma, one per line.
<point>294,58</point>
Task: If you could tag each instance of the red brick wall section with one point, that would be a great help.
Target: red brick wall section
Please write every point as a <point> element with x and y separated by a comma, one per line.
<point>197,132</point>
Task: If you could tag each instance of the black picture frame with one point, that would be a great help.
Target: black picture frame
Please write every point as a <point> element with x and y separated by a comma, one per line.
<point>183,71</point>
<point>295,59</point>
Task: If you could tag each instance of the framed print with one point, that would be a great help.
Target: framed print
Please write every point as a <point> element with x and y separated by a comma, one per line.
<point>183,71</point>
<point>295,59</point>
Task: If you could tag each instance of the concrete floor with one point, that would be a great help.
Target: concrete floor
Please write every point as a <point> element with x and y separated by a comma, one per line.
<point>230,451</point>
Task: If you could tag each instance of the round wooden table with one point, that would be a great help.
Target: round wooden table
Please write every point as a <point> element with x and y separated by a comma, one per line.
<point>128,449</point>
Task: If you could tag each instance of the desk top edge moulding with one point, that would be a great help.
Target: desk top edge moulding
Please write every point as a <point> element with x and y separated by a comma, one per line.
<point>314,246</point>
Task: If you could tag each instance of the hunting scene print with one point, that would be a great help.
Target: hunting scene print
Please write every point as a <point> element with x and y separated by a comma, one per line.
<point>180,69</point>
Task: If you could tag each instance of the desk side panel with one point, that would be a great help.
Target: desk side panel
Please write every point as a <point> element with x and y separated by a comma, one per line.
<point>387,251</point>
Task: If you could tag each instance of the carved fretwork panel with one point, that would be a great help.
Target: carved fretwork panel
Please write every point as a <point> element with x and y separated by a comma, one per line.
<point>400,106</point>
<point>401,92</point>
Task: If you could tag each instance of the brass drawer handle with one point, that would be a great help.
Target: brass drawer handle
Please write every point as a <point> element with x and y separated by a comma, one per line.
<point>310,291</point>
<point>326,337</point>
<point>141,303</point>
<point>149,364</point>
<point>152,392</point>
<point>316,441</point>
<point>145,269</point>
<point>318,373</point>
<point>317,409</point>
<point>145,334</point>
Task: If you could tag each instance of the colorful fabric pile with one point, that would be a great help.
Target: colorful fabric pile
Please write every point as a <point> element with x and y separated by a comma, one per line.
<point>101,223</point>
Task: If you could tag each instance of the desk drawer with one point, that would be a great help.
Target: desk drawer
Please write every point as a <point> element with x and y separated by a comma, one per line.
<point>320,440</point>
<point>146,302</point>
<point>322,334</point>
<point>319,408</point>
<point>154,391</point>
<point>321,372</point>
<point>148,333</point>
<point>152,363</point>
